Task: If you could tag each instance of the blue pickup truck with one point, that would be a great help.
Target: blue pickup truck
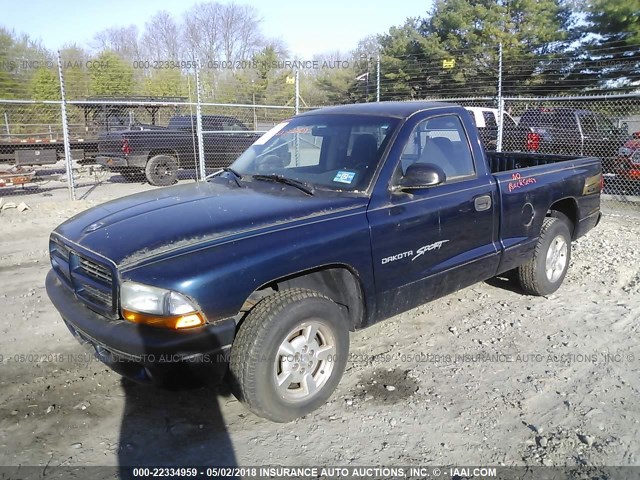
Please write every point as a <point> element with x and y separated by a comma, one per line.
<point>331,221</point>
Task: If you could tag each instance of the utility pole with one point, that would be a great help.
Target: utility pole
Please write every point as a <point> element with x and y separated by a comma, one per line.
<point>378,78</point>
<point>201,162</point>
<point>255,116</point>
<point>65,133</point>
<point>297,91</point>
<point>367,87</point>
<point>500,102</point>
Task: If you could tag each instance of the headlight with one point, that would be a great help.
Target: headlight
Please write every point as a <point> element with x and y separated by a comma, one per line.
<point>157,307</point>
<point>635,158</point>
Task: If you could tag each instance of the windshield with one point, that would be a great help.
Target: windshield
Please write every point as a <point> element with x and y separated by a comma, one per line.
<point>336,152</point>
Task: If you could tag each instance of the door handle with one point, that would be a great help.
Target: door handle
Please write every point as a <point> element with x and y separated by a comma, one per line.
<point>482,203</point>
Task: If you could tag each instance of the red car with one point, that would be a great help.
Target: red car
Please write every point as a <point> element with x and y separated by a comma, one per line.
<point>628,163</point>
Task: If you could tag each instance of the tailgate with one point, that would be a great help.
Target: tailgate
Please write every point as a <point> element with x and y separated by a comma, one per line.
<point>111,142</point>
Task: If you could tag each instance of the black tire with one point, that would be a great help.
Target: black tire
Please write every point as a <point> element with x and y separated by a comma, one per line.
<point>162,170</point>
<point>534,276</point>
<point>255,359</point>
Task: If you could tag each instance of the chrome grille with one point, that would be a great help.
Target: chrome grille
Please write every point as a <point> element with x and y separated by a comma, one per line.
<point>97,294</point>
<point>95,270</point>
<point>91,280</point>
<point>59,255</point>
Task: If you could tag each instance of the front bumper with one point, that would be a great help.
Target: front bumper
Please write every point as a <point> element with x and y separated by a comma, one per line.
<point>124,346</point>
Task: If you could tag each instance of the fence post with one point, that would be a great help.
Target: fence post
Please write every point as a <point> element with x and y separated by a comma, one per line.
<point>201,162</point>
<point>6,122</point>
<point>65,132</point>
<point>500,102</point>
<point>378,78</point>
<point>297,91</point>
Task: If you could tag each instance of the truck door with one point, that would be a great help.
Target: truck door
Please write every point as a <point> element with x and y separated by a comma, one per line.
<point>429,242</point>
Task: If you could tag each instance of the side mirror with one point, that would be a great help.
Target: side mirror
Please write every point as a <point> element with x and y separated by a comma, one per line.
<point>422,175</point>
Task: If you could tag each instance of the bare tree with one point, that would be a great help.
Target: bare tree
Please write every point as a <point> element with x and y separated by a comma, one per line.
<point>213,31</point>
<point>121,40</point>
<point>200,31</point>
<point>240,29</point>
<point>368,47</point>
<point>161,40</point>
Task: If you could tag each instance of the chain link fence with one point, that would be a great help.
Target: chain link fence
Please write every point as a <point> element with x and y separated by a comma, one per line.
<point>163,135</point>
<point>604,126</point>
<point>123,141</point>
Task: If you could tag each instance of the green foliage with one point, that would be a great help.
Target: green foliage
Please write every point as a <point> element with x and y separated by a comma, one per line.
<point>111,76</point>
<point>45,85</point>
<point>470,32</point>
<point>8,84</point>
<point>611,59</point>
<point>616,20</point>
<point>545,51</point>
<point>340,85</point>
<point>166,83</point>
<point>75,68</point>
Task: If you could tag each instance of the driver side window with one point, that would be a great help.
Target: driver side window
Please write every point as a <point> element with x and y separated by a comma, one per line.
<point>441,141</point>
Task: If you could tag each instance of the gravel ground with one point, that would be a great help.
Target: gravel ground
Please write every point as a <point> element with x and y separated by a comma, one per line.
<point>485,376</point>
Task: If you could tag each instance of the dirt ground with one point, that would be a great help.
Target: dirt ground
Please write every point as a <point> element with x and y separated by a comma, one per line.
<point>485,376</point>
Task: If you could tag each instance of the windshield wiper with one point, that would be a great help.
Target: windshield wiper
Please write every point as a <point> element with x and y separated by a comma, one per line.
<point>288,181</point>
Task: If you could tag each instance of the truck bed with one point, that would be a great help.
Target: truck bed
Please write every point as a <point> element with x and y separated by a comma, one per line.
<point>506,161</point>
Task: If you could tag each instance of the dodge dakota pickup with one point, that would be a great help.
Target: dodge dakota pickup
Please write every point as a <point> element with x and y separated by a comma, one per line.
<point>331,221</point>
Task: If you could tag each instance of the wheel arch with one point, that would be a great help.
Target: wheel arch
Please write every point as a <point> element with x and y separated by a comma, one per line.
<point>566,208</point>
<point>338,282</point>
<point>163,151</point>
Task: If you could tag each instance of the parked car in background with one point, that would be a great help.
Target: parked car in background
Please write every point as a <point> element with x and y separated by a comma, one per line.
<point>571,131</point>
<point>156,153</point>
<point>486,119</point>
<point>627,166</point>
<point>332,221</point>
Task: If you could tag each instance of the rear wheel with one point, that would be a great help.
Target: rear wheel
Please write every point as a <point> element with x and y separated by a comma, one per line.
<point>289,354</point>
<point>162,170</point>
<point>545,272</point>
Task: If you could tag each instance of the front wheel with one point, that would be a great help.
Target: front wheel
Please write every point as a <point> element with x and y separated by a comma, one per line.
<point>544,273</point>
<point>289,354</point>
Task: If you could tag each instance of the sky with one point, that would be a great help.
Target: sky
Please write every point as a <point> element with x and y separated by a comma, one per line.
<point>306,27</point>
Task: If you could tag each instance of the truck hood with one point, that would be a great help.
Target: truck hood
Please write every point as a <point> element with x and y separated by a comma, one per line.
<point>133,228</point>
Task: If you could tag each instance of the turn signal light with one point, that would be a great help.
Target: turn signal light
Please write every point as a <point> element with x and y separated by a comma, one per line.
<point>177,322</point>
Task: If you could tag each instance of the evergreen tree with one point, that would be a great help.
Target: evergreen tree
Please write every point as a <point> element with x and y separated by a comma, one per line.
<point>45,85</point>
<point>454,50</point>
<point>612,56</point>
